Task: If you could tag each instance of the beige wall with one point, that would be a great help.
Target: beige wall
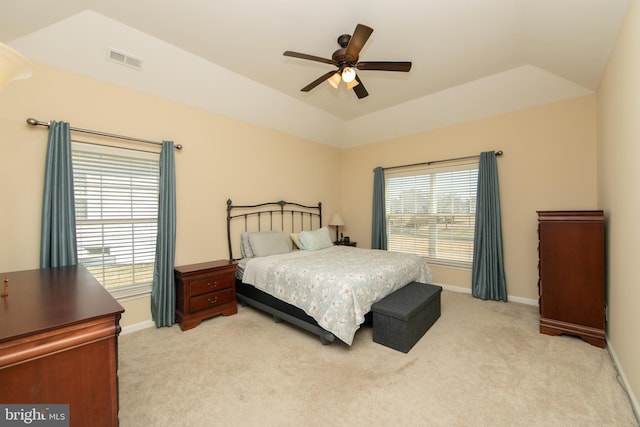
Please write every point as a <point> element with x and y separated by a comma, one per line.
<point>222,158</point>
<point>549,163</point>
<point>618,182</point>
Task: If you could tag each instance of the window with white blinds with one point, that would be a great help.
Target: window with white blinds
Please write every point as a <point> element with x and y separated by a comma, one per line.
<point>116,196</point>
<point>430,212</point>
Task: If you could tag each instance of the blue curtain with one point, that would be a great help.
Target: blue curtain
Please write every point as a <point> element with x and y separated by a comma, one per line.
<point>488,280</point>
<point>163,295</point>
<point>379,221</point>
<point>58,245</point>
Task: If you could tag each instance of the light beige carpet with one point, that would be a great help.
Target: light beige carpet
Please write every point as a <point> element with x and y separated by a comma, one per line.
<point>483,363</point>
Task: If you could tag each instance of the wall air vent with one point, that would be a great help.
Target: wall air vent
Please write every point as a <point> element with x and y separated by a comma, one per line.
<point>124,59</point>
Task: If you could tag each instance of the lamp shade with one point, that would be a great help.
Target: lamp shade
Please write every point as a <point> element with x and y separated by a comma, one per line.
<point>13,65</point>
<point>352,84</point>
<point>336,219</point>
<point>348,74</point>
<point>335,80</point>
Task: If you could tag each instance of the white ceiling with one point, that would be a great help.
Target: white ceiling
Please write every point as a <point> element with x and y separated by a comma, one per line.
<point>471,58</point>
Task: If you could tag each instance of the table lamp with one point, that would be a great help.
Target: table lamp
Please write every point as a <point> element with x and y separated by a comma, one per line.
<point>336,220</point>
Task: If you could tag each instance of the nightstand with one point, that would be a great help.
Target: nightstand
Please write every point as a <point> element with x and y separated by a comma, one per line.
<point>204,290</point>
<point>345,244</point>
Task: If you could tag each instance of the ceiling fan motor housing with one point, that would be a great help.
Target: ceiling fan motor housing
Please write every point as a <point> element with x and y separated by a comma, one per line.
<point>339,57</point>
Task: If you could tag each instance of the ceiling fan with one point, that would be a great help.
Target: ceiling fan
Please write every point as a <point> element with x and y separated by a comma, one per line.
<point>346,59</point>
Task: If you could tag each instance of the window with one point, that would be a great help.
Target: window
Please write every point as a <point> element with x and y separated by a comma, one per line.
<point>116,195</point>
<point>430,212</point>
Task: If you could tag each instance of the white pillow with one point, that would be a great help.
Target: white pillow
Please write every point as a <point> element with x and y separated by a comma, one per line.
<point>295,238</point>
<point>268,243</point>
<point>316,239</point>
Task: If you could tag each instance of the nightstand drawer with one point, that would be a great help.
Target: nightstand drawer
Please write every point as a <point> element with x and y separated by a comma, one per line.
<point>210,300</point>
<point>212,283</point>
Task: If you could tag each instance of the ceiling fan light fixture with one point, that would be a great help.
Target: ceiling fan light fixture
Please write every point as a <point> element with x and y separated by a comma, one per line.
<point>352,84</point>
<point>334,80</point>
<point>348,74</point>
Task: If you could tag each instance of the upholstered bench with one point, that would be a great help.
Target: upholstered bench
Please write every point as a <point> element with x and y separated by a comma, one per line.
<point>402,318</point>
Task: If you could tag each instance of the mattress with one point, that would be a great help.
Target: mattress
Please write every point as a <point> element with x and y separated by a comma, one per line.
<point>336,286</point>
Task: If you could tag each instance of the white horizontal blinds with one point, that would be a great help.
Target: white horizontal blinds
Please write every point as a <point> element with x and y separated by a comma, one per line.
<point>431,211</point>
<point>116,194</point>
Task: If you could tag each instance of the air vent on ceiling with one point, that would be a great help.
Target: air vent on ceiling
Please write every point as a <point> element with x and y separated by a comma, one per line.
<point>124,59</point>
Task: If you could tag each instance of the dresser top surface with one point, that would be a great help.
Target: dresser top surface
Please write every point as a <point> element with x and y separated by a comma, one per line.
<point>44,299</point>
<point>203,266</point>
<point>589,215</point>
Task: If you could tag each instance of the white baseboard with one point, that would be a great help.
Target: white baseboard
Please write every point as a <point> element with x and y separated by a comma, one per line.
<point>454,288</point>
<point>527,301</point>
<point>622,378</point>
<point>137,327</point>
<point>520,300</point>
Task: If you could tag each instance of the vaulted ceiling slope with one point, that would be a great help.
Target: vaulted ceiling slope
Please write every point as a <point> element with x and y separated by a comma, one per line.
<point>471,58</point>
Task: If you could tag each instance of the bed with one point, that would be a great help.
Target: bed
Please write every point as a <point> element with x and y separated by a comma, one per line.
<point>325,289</point>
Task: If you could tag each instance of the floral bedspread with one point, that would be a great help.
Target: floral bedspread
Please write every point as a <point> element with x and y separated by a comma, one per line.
<point>336,286</point>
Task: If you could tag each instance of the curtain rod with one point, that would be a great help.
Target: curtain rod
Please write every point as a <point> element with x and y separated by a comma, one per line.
<point>34,122</point>
<point>498,153</point>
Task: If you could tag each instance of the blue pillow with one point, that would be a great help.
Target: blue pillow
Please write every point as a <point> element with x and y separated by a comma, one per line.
<point>315,240</point>
<point>268,243</point>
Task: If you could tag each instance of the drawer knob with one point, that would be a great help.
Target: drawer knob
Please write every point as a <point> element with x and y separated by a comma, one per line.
<point>213,285</point>
<point>212,300</point>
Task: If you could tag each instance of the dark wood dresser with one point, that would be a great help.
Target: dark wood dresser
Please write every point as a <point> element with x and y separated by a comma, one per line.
<point>572,274</point>
<point>205,290</point>
<point>59,343</point>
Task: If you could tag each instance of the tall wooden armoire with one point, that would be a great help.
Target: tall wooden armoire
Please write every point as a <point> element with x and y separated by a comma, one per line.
<point>571,274</point>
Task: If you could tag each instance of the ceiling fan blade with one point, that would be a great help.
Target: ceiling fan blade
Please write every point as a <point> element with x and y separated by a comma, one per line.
<point>404,66</point>
<point>358,39</point>
<point>316,82</point>
<point>360,91</point>
<point>309,57</point>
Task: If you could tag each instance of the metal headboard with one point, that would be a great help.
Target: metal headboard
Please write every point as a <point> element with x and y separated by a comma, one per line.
<point>281,216</point>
